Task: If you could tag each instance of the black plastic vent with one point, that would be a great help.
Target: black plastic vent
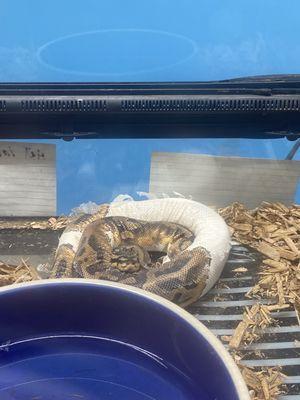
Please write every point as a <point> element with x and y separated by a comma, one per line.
<point>2,105</point>
<point>63,105</point>
<point>203,105</point>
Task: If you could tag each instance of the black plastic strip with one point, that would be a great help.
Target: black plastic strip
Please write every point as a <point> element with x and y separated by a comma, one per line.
<point>156,110</point>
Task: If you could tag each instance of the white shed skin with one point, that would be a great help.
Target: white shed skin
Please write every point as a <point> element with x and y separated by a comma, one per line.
<point>209,228</point>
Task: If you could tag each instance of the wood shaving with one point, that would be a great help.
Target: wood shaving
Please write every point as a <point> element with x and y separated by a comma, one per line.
<point>248,320</point>
<point>10,274</point>
<point>273,229</point>
<point>29,223</point>
<point>265,384</point>
<point>269,251</point>
<point>240,269</point>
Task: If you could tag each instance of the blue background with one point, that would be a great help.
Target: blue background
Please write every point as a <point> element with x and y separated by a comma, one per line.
<point>157,40</point>
<point>147,40</point>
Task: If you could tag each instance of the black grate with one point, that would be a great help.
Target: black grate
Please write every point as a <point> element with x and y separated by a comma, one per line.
<point>63,105</point>
<point>2,105</point>
<point>202,105</point>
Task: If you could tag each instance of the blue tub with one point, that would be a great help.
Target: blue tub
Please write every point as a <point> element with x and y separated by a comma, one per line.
<point>95,340</point>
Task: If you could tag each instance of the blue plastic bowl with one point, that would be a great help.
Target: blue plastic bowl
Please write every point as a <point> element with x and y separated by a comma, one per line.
<point>95,340</point>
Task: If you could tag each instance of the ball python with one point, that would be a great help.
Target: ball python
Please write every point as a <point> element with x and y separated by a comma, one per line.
<point>114,244</point>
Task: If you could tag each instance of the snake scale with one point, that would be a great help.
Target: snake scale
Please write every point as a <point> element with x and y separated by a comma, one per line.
<point>115,242</point>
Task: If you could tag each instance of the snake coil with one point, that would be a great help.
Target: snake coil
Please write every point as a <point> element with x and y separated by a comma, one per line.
<point>194,272</point>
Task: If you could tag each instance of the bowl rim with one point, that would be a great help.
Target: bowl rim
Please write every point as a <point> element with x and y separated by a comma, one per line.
<point>215,343</point>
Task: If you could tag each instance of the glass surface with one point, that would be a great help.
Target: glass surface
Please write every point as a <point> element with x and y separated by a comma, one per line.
<point>43,180</point>
<point>96,170</point>
<point>167,40</point>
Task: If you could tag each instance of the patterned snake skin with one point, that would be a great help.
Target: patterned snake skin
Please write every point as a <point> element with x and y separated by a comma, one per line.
<point>116,248</point>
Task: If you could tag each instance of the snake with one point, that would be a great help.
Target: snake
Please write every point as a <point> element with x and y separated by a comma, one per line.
<point>117,241</point>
